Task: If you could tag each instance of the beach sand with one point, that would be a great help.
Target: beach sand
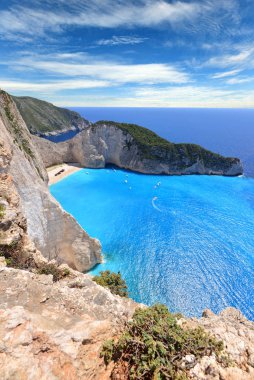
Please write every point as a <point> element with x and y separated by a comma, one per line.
<point>67,170</point>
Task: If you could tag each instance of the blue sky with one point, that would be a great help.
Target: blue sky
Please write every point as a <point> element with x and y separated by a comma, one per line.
<point>148,53</point>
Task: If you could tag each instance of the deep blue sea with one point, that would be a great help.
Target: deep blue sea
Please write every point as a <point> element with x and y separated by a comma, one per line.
<point>189,241</point>
<point>186,241</point>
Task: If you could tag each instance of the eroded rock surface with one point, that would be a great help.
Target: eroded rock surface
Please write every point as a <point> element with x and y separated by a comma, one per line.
<point>55,330</point>
<point>54,232</point>
<point>237,334</point>
<point>104,144</point>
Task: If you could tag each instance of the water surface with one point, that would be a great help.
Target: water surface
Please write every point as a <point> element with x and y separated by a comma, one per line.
<point>185,241</point>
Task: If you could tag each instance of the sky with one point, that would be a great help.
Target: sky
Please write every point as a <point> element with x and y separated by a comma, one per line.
<point>143,53</point>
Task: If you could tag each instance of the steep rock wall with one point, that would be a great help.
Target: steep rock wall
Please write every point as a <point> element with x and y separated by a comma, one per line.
<point>104,144</point>
<point>55,233</point>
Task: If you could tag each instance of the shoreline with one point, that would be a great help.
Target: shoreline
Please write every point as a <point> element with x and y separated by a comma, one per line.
<point>64,170</point>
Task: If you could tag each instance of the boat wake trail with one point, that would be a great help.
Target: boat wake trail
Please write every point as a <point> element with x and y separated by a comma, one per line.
<point>154,205</point>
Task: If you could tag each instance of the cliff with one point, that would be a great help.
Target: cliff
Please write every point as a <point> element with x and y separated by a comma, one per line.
<point>54,232</point>
<point>43,118</point>
<point>135,148</point>
<point>53,327</point>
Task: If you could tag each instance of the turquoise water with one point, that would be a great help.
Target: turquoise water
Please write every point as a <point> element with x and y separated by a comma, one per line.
<point>187,242</point>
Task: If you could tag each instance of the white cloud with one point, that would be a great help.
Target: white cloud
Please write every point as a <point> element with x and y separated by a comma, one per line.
<point>239,80</point>
<point>174,96</point>
<point>106,14</point>
<point>37,20</point>
<point>121,40</point>
<point>113,72</point>
<point>231,60</point>
<point>50,86</point>
<point>194,96</point>
<point>225,74</point>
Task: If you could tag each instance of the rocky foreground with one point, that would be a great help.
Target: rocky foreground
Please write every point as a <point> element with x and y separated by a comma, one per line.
<point>55,330</point>
<point>53,323</point>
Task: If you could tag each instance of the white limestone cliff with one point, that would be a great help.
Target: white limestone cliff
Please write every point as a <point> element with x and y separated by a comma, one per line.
<point>104,144</point>
<point>54,232</point>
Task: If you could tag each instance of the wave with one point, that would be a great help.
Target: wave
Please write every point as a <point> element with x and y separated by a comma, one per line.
<point>154,205</point>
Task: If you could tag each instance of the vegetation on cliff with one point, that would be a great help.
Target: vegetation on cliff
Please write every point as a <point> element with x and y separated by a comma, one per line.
<point>112,281</point>
<point>2,208</point>
<point>53,269</point>
<point>152,146</point>
<point>155,346</point>
<point>42,117</point>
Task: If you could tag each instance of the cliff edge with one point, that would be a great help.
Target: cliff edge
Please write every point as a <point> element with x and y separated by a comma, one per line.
<point>135,148</point>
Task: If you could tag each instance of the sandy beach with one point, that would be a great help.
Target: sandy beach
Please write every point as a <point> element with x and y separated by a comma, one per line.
<point>65,169</point>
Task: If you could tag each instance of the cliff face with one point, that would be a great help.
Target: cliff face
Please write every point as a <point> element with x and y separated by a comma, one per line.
<point>136,149</point>
<point>54,232</point>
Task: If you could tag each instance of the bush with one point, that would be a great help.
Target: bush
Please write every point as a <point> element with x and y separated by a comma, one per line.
<point>2,208</point>
<point>113,281</point>
<point>154,345</point>
<point>54,270</point>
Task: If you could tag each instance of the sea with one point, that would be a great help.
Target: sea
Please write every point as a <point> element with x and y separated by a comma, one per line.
<point>186,241</point>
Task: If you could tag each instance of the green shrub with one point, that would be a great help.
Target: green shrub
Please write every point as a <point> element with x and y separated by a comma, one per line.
<point>2,208</point>
<point>9,262</point>
<point>26,148</point>
<point>154,345</point>
<point>57,273</point>
<point>113,281</point>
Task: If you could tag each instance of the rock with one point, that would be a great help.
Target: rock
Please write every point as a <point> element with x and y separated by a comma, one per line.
<point>51,331</point>
<point>188,361</point>
<point>106,143</point>
<point>207,313</point>
<point>237,334</point>
<point>54,232</point>
<point>2,262</point>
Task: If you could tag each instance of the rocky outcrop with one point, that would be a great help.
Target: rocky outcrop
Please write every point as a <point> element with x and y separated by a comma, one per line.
<point>55,330</point>
<point>136,149</point>
<point>53,231</point>
<point>15,244</point>
<point>237,334</point>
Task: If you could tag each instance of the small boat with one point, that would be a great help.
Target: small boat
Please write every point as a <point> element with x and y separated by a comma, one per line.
<point>126,181</point>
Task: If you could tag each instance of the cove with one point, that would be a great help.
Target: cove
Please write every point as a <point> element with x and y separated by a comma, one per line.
<point>185,241</point>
